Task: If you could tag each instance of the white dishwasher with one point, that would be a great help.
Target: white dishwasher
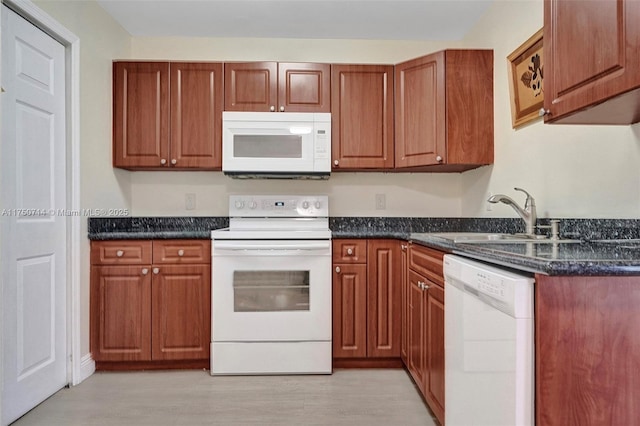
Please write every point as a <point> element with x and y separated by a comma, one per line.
<point>489,345</point>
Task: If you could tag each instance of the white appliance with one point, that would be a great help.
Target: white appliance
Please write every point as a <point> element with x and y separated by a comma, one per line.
<point>276,145</point>
<point>271,287</point>
<point>489,345</point>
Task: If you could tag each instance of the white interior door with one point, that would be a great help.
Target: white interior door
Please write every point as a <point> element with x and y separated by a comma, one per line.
<point>33,246</point>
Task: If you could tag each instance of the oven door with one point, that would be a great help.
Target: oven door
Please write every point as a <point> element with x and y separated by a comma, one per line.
<point>271,290</point>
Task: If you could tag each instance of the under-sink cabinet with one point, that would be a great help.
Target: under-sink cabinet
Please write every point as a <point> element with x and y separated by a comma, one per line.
<point>366,302</point>
<point>167,115</point>
<point>150,303</point>
<point>424,316</point>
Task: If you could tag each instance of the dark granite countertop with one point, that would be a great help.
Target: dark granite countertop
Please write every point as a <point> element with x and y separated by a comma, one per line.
<point>620,255</point>
<point>602,257</point>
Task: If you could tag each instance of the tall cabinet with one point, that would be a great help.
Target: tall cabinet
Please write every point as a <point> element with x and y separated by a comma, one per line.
<point>167,115</point>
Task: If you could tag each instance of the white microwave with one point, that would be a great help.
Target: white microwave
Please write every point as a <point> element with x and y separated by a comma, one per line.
<point>284,145</point>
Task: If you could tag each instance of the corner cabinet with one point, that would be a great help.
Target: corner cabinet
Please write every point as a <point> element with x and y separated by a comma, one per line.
<point>167,115</point>
<point>150,303</point>
<point>277,87</point>
<point>591,61</point>
<point>444,111</point>
<point>366,301</point>
<point>425,324</point>
<point>361,117</point>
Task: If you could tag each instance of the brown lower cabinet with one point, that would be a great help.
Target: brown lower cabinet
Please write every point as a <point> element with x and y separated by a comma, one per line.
<point>148,313</point>
<point>366,300</point>
<point>424,316</point>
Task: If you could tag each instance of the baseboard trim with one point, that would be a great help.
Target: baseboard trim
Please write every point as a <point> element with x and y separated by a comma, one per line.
<point>87,367</point>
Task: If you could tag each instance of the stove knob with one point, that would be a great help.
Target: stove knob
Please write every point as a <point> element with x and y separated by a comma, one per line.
<point>253,205</point>
<point>305,205</point>
<point>318,204</point>
<point>239,204</point>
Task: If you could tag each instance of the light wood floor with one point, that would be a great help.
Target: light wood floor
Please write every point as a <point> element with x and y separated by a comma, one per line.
<point>348,397</point>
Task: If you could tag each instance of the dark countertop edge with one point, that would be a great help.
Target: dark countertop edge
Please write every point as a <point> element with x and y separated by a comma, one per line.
<point>152,235</point>
<point>535,265</point>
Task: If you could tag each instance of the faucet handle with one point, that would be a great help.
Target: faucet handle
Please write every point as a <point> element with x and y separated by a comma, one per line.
<point>530,201</point>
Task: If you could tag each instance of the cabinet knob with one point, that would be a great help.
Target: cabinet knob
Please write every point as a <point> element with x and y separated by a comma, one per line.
<point>120,253</point>
<point>336,162</point>
<point>337,269</point>
<point>403,247</point>
<point>174,161</point>
<point>145,271</point>
<point>439,159</point>
<point>272,108</point>
<point>542,112</point>
<point>281,108</point>
<point>156,271</point>
<point>163,161</point>
<point>350,252</point>
<point>180,252</point>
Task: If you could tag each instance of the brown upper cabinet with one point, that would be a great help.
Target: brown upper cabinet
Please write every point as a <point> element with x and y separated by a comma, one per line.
<point>444,111</point>
<point>591,62</point>
<point>167,116</point>
<point>361,117</point>
<point>277,86</point>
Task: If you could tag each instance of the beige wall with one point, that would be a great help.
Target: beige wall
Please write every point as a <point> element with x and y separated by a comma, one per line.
<point>101,186</point>
<point>572,171</point>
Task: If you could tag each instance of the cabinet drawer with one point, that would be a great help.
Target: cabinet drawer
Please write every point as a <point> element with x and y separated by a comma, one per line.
<point>120,252</point>
<point>182,251</point>
<point>350,251</point>
<point>427,262</point>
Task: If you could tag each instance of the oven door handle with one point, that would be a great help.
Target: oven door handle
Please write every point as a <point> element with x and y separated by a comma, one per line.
<point>276,247</point>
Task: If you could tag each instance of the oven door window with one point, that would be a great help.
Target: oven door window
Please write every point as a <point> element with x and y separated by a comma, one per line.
<point>270,291</point>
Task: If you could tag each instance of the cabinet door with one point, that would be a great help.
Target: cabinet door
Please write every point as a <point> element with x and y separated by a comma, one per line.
<point>590,55</point>
<point>416,330</point>
<point>434,326</point>
<point>196,115</point>
<point>361,117</point>
<point>383,298</point>
<point>349,311</point>
<point>181,312</point>
<point>121,313</point>
<point>140,114</point>
<point>250,86</point>
<point>405,306</point>
<point>420,111</point>
<point>304,87</point>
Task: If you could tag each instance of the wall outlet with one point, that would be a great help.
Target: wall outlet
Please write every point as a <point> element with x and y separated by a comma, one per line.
<point>190,201</point>
<point>381,201</point>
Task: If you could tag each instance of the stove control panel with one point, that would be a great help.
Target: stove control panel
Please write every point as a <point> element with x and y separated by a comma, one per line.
<point>278,206</point>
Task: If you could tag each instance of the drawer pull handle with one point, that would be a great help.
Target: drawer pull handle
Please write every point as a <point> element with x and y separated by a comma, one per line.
<point>145,271</point>
<point>350,252</point>
<point>120,253</point>
<point>180,252</point>
<point>156,271</point>
<point>337,269</point>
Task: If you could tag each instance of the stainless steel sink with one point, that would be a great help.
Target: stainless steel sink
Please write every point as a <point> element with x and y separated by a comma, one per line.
<point>496,238</point>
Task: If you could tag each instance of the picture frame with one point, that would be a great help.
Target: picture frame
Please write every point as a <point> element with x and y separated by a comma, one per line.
<point>526,88</point>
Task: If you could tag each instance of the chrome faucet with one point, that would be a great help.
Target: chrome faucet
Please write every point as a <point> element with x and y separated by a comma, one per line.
<point>528,213</point>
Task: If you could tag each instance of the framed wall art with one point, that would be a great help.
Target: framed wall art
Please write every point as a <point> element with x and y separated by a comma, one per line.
<point>526,65</point>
